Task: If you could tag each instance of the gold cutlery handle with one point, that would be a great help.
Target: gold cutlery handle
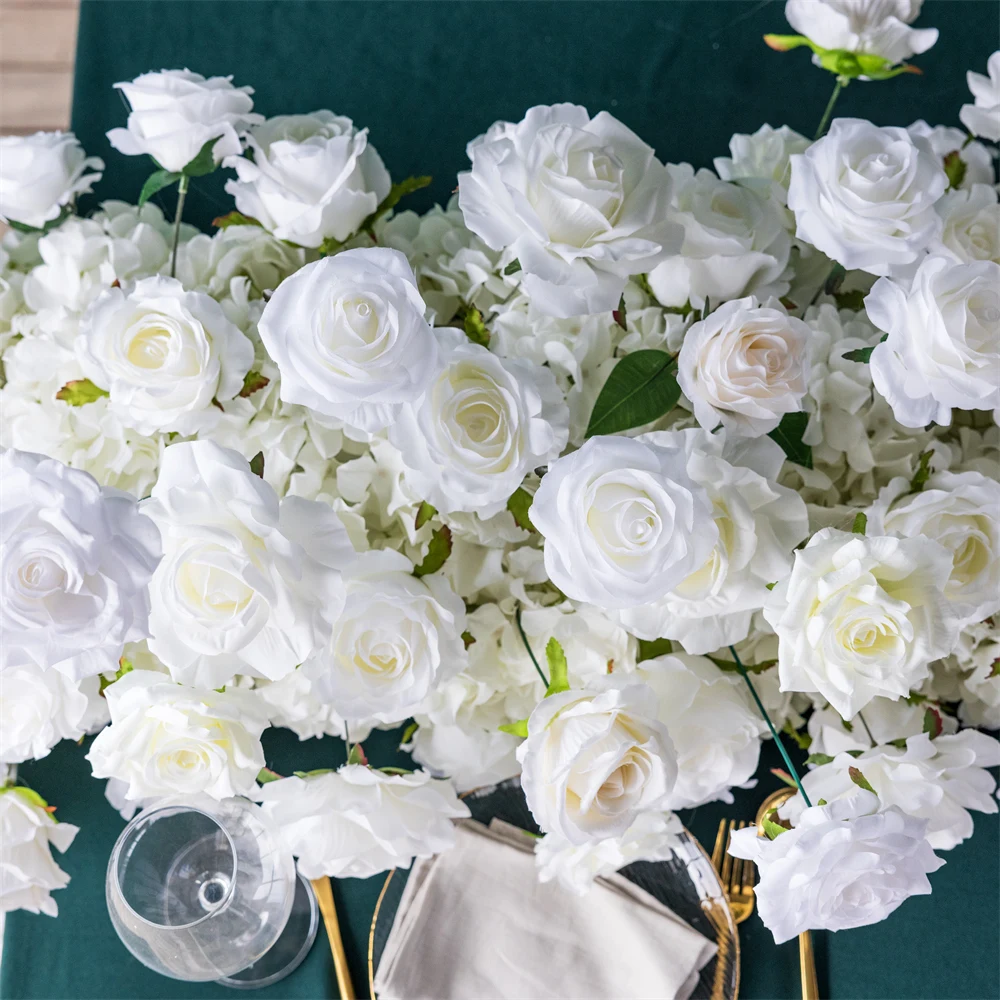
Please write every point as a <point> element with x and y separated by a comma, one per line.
<point>324,896</point>
<point>807,967</point>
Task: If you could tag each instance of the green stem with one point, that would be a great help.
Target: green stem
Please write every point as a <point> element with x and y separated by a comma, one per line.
<point>527,646</point>
<point>770,724</point>
<point>825,120</point>
<point>867,730</point>
<point>182,188</point>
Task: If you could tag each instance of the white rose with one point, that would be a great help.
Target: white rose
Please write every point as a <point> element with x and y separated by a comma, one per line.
<point>623,522</point>
<point>983,117</point>
<point>580,202</point>
<point>971,225</point>
<point>886,720</point>
<point>76,560</point>
<point>937,780</point>
<point>480,426</point>
<point>745,365</point>
<point>163,354</point>
<point>874,27</point>
<point>309,177</point>
<point>846,864</point>
<point>28,874</point>
<point>398,637</point>
<point>762,157</point>
<point>714,726</point>
<point>40,707</point>
<point>865,196</point>
<point>962,512</point>
<point>944,140</point>
<point>248,584</point>
<point>759,524</point>
<point>654,836</point>
<point>167,739</point>
<point>594,759</point>
<point>349,335</point>
<point>861,616</point>
<point>735,242</point>
<point>175,112</point>
<point>41,174</point>
<point>943,343</point>
<point>356,822</point>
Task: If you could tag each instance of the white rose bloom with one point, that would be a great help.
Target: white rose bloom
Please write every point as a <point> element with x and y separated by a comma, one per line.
<point>164,355</point>
<point>76,561</point>
<point>962,512</point>
<point>746,365</point>
<point>762,157</point>
<point>873,27</point>
<point>937,780</point>
<point>40,707</point>
<point>735,242</point>
<point>398,637</point>
<point>309,177</point>
<point>865,196</point>
<point>759,524</point>
<point>623,522</point>
<point>983,117</point>
<point>480,426</point>
<point>714,725</point>
<point>580,202</point>
<point>847,864</point>
<point>175,112</point>
<point>28,873</point>
<point>862,616</point>
<point>349,335</point>
<point>944,140</point>
<point>41,175</point>
<point>652,837</point>
<point>971,225</point>
<point>594,759</point>
<point>943,343</point>
<point>248,584</point>
<point>167,739</point>
<point>886,720</point>
<point>357,822</point>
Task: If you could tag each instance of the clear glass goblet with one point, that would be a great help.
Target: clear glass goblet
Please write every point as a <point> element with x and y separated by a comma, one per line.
<point>201,890</point>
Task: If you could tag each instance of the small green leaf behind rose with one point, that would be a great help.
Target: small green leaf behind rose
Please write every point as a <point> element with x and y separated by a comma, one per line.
<point>640,389</point>
<point>81,391</point>
<point>19,227</point>
<point>437,552</point>
<point>650,649</point>
<point>751,668</point>
<point>408,734</point>
<point>265,776</point>
<point>235,218</point>
<point>862,355</point>
<point>773,825</point>
<point>357,755</point>
<point>519,728</point>
<point>933,724</point>
<point>819,758</point>
<point>860,523</point>
<point>620,314</point>
<point>860,780</point>
<point>474,326</point>
<point>802,740</point>
<point>257,464</point>
<point>156,182</point>
<point>252,382</point>
<point>513,267</point>
<point>204,162</point>
<point>558,667</point>
<point>954,169</point>
<point>518,504</point>
<point>424,513</point>
<point>788,434</point>
<point>923,472</point>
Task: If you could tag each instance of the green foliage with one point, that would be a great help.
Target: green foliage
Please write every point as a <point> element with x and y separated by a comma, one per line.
<point>437,552</point>
<point>860,523</point>
<point>788,434</point>
<point>620,315</point>
<point>519,728</point>
<point>933,724</point>
<point>860,780</point>
<point>853,299</point>
<point>802,740</point>
<point>650,649</point>
<point>396,193</point>
<point>818,758</point>
<point>204,163</point>
<point>513,267</point>
<point>157,181</point>
<point>252,382</point>
<point>265,776</point>
<point>923,472</point>
<point>234,218</point>
<point>19,227</point>
<point>468,638</point>
<point>639,389</point>
<point>862,354</point>
<point>408,734</point>
<point>518,504</point>
<point>558,667</point>
<point>257,464</point>
<point>751,668</point>
<point>424,513</point>
<point>357,755</point>
<point>80,391</point>
<point>475,328</point>
<point>773,825</point>
<point>954,169</point>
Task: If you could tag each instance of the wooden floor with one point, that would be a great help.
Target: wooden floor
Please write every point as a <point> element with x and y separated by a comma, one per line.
<point>37,48</point>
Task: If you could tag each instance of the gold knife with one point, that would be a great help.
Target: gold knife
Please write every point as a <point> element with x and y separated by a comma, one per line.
<point>324,896</point>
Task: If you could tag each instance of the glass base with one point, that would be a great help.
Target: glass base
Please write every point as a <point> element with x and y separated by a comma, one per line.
<point>287,953</point>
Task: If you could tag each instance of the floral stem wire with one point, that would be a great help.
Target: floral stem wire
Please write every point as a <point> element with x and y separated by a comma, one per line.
<point>527,646</point>
<point>824,121</point>
<point>770,724</point>
<point>182,188</point>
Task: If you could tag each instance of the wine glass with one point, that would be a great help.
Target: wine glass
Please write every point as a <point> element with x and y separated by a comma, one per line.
<point>201,890</point>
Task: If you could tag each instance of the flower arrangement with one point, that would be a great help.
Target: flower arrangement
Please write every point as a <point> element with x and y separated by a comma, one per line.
<point>601,474</point>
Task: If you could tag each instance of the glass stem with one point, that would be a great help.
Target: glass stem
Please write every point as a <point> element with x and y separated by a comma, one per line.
<point>182,188</point>
<point>825,120</point>
<point>770,725</point>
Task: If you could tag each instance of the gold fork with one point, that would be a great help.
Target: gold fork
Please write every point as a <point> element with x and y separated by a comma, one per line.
<point>736,875</point>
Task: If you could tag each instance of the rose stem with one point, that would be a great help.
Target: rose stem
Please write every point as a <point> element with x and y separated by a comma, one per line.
<point>182,188</point>
<point>867,730</point>
<point>770,724</point>
<point>527,646</point>
<point>838,87</point>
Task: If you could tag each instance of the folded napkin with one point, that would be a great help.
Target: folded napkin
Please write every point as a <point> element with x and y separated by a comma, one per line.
<point>475,923</point>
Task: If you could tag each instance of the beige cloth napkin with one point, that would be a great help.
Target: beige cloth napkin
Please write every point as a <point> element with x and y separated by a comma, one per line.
<point>475,923</point>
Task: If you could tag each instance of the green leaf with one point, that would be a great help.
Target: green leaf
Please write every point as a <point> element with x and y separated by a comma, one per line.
<point>29,795</point>
<point>954,169</point>
<point>314,773</point>
<point>424,513</point>
<point>518,504</point>
<point>783,775</point>
<point>773,825</point>
<point>789,433</point>
<point>835,279</point>
<point>860,780</point>
<point>357,755</point>
<point>204,163</point>
<point>860,523</point>
<point>389,769</point>
<point>751,668</point>
<point>900,743</point>
<point>513,267</point>
<point>995,669</point>
<point>915,698</point>
<point>19,227</point>
<point>265,776</point>
<point>408,733</point>
<point>854,753</point>
<point>853,300</point>
<point>81,391</point>
<point>157,181</point>
<point>923,472</point>
<point>770,586</point>
<point>818,758</point>
<point>475,328</point>
<point>234,218</point>
<point>558,667</point>
<point>639,389</point>
<point>519,728</point>
<point>822,802</point>
<point>620,315</point>
<point>437,552</point>
<point>863,354</point>
<point>932,723</point>
<point>252,382</point>
<point>650,649</point>
<point>468,638</point>
<point>802,740</point>
<point>257,464</point>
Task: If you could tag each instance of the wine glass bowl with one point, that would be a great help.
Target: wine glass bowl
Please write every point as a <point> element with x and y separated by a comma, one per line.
<point>199,890</point>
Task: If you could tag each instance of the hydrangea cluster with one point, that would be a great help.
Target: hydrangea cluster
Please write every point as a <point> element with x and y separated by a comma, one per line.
<point>543,474</point>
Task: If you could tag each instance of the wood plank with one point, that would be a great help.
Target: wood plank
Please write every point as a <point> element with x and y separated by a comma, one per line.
<point>35,100</point>
<point>36,38</point>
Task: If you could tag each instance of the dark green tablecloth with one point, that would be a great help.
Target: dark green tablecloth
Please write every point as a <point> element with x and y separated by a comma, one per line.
<point>425,78</point>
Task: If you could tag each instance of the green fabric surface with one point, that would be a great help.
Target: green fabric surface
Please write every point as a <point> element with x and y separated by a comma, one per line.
<point>426,78</point>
